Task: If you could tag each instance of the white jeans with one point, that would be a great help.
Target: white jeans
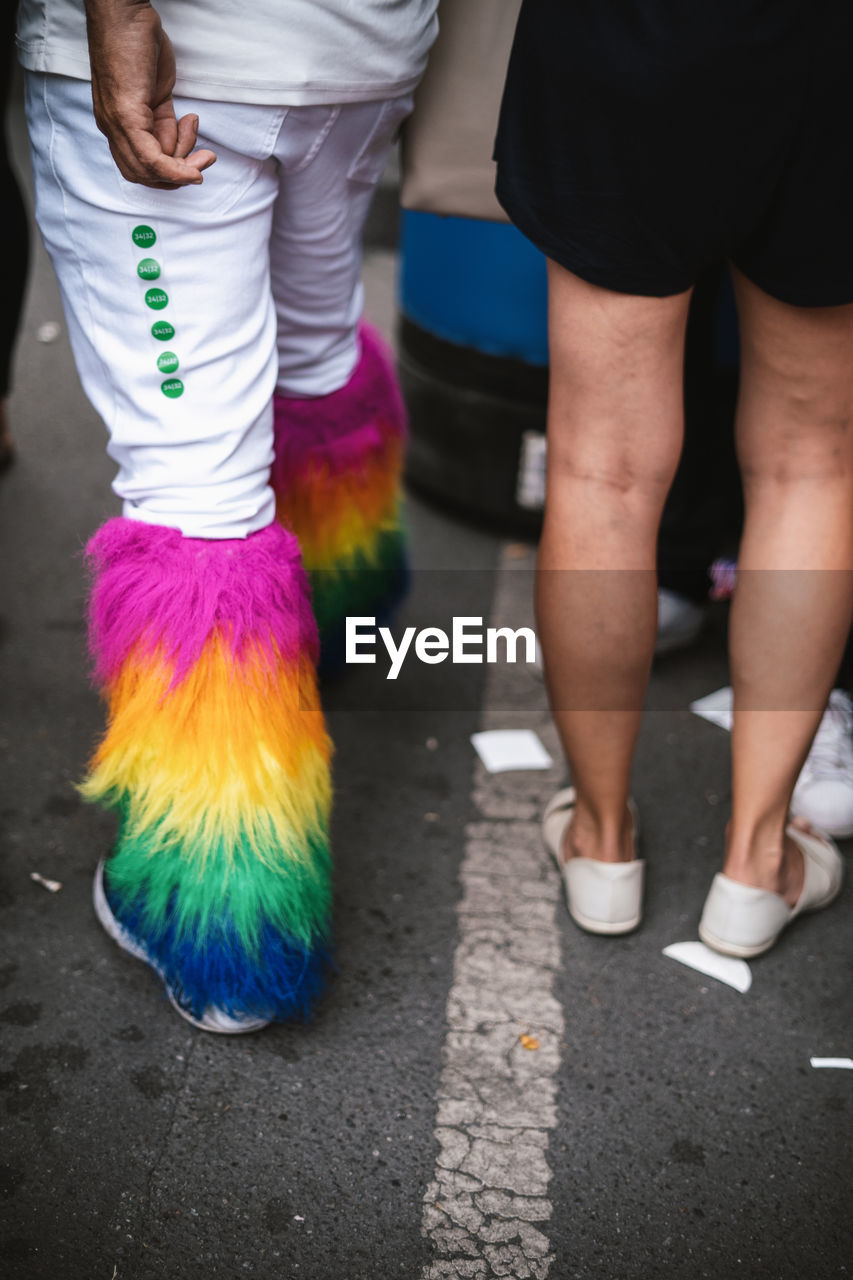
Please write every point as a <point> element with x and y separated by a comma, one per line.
<point>187,308</point>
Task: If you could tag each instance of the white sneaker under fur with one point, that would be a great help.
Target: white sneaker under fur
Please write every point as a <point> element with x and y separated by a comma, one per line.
<point>212,1019</point>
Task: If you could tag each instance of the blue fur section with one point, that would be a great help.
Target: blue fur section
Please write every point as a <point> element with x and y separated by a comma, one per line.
<point>281,981</point>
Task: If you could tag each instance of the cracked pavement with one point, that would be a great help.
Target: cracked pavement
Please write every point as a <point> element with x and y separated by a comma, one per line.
<point>664,1127</point>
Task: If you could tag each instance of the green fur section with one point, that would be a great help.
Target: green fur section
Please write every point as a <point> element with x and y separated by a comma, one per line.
<point>202,893</point>
<point>366,583</point>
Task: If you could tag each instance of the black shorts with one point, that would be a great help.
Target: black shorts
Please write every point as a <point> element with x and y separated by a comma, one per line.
<point>642,140</point>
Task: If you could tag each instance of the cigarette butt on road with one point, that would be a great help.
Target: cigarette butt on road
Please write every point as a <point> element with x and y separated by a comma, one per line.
<point>52,886</point>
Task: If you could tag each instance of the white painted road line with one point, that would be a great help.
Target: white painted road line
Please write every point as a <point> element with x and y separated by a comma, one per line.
<point>487,1209</point>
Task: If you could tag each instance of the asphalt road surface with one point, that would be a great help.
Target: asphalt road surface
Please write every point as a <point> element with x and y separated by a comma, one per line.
<point>486,1091</point>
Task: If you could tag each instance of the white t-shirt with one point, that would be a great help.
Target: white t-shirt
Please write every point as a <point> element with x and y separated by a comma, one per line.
<point>288,52</point>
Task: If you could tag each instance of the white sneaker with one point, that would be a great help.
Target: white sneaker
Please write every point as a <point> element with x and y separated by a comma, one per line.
<point>212,1019</point>
<point>679,621</point>
<point>824,791</point>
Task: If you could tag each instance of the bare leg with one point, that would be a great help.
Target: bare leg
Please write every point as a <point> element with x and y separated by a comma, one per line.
<point>615,424</point>
<point>792,607</point>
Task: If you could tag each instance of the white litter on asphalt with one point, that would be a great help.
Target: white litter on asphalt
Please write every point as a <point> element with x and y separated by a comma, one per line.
<point>503,749</point>
<point>844,1064</point>
<point>735,973</point>
<point>716,707</point>
<point>48,332</point>
<point>53,886</point>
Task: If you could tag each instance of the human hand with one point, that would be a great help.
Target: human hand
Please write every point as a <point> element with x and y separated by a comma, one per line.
<point>133,75</point>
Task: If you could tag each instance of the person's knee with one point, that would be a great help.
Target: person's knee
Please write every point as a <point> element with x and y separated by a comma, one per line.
<point>637,474</point>
<point>799,433</point>
<point>816,395</point>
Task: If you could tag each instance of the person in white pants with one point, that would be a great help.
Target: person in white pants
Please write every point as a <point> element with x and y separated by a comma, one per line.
<point>257,425</point>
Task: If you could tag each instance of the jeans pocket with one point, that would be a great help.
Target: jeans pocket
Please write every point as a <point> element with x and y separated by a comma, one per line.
<point>224,185</point>
<point>370,161</point>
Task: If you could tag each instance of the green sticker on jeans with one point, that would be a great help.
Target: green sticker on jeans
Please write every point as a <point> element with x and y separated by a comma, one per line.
<point>172,387</point>
<point>148,269</point>
<point>156,299</point>
<point>144,236</point>
<point>168,362</point>
<point>162,330</point>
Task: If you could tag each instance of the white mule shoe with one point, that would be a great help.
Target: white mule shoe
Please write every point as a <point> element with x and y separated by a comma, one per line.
<point>603,897</point>
<point>742,920</point>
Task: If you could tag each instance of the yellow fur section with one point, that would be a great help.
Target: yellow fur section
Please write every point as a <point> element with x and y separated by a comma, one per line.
<point>336,515</point>
<point>237,754</point>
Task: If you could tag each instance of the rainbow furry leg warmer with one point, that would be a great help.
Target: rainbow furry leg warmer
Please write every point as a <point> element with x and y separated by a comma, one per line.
<point>216,758</point>
<point>337,479</point>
